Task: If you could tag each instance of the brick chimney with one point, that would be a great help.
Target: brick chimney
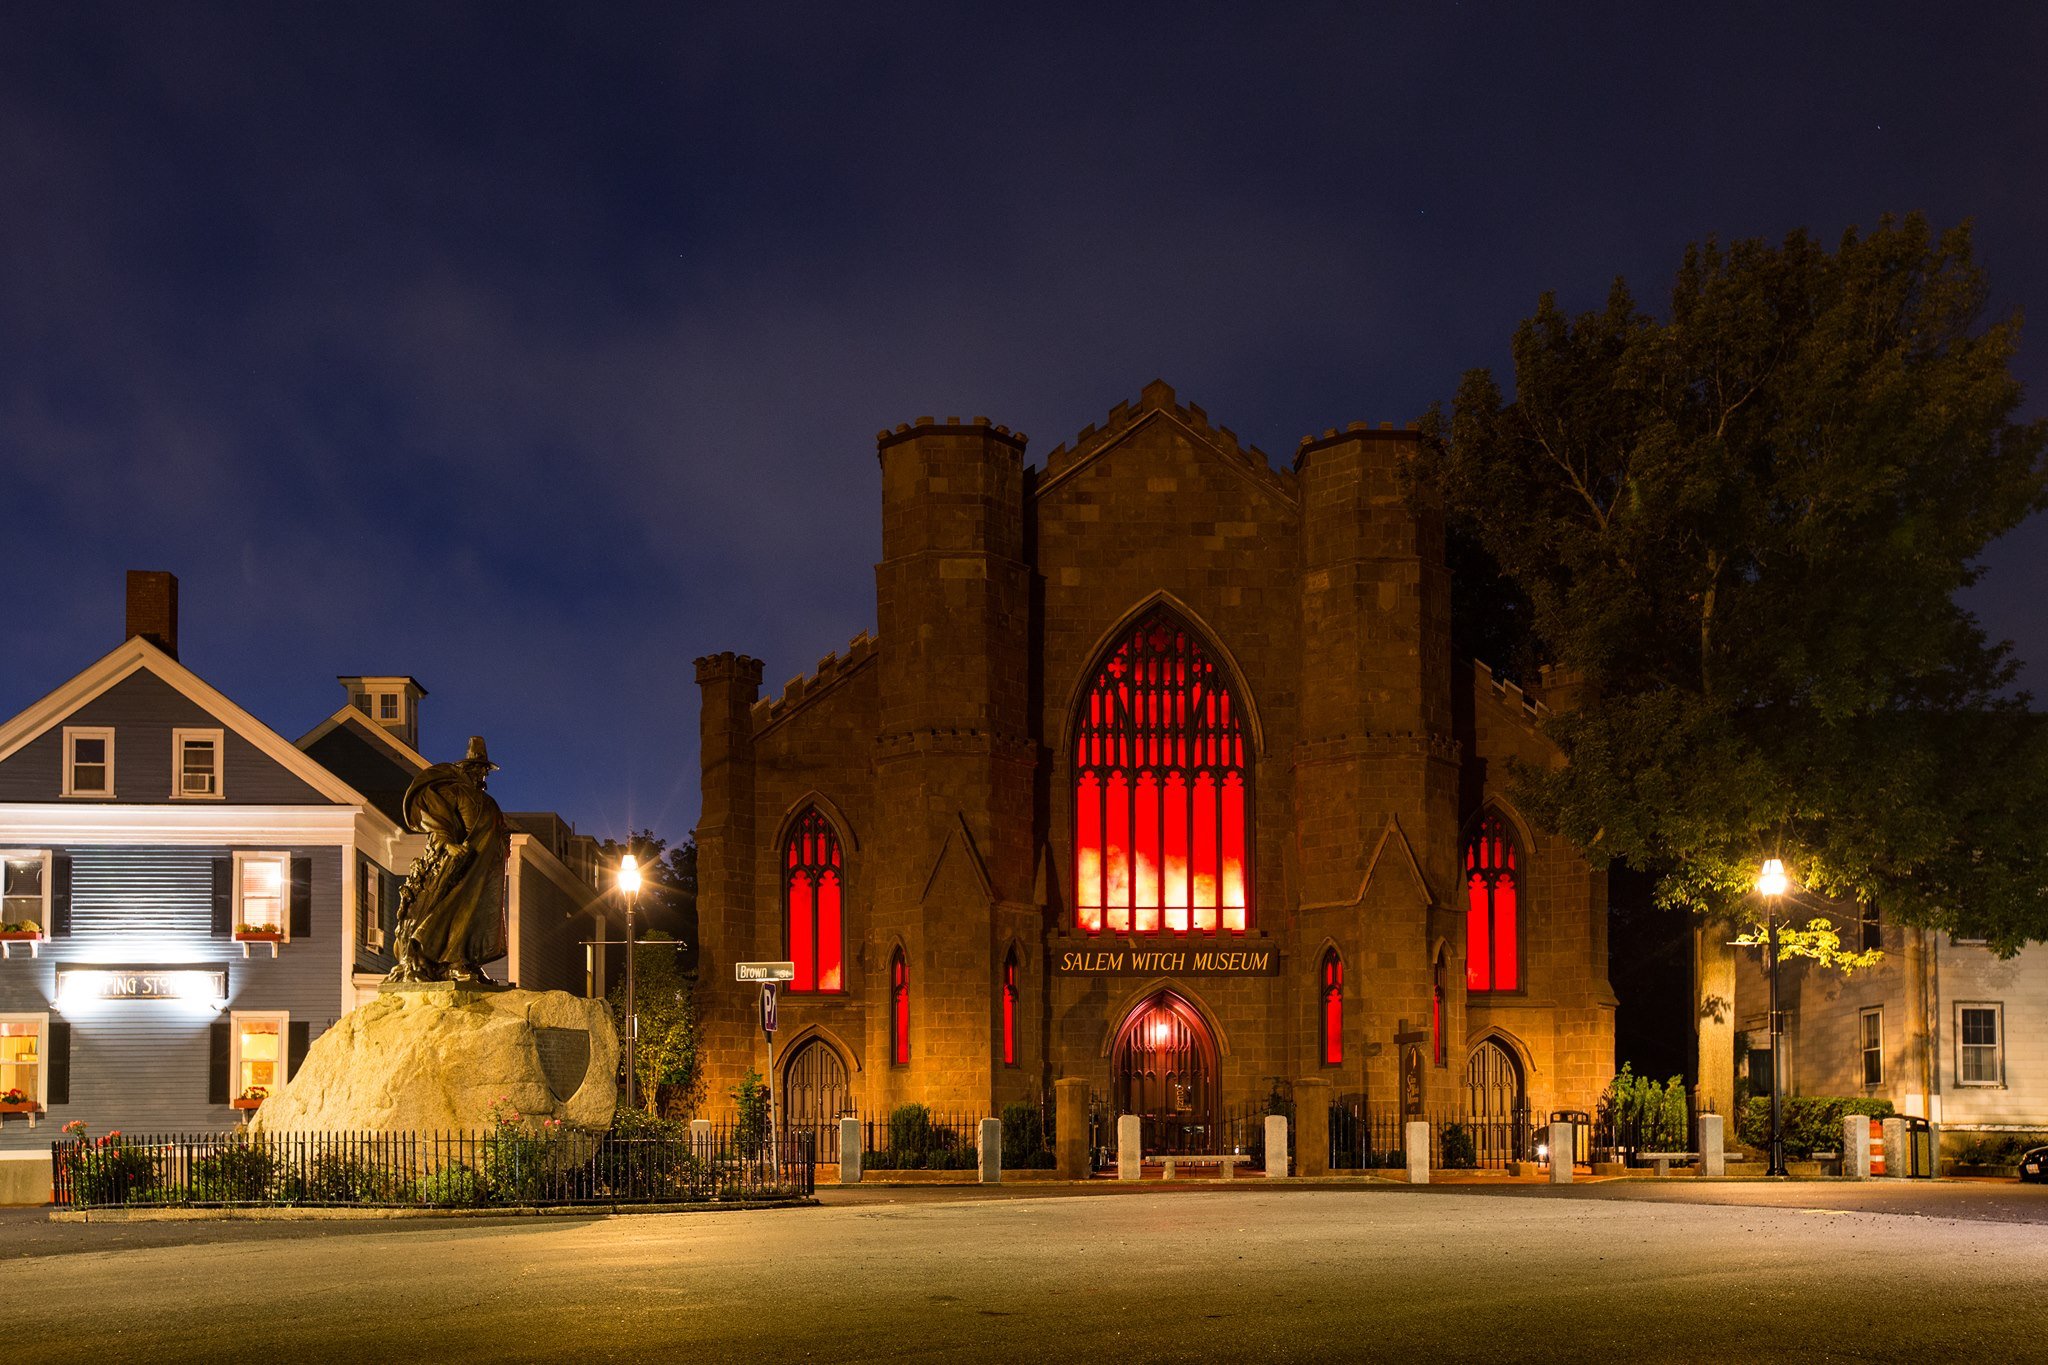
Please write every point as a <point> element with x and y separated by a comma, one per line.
<point>153,608</point>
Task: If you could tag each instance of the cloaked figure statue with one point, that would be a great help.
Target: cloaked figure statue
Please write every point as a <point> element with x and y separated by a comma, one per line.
<point>451,910</point>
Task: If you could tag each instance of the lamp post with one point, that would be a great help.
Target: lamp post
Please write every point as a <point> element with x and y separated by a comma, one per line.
<point>629,887</point>
<point>1770,884</point>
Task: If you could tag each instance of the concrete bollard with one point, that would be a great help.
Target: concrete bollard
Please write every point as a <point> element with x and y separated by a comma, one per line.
<point>1130,1157</point>
<point>1563,1140</point>
<point>700,1139</point>
<point>1418,1151</point>
<point>991,1151</point>
<point>1276,1146</point>
<point>1070,1127</point>
<point>1312,1126</point>
<point>1713,1146</point>
<point>1856,1146</point>
<point>1897,1159</point>
<point>850,1153</point>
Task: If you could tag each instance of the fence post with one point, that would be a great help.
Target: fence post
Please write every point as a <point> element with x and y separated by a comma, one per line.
<point>1897,1159</point>
<point>1417,1144</point>
<point>991,1151</point>
<point>1713,1146</point>
<point>1856,1146</point>
<point>1563,1140</point>
<point>1070,1126</point>
<point>1130,1158</point>
<point>850,1153</point>
<point>1312,1126</point>
<point>1276,1146</point>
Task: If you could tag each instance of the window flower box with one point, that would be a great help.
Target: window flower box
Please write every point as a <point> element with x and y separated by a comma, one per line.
<point>244,1102</point>
<point>21,931</point>
<point>246,934</point>
<point>19,1102</point>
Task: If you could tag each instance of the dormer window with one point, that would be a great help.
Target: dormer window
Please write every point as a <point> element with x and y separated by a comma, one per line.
<point>195,765</point>
<point>361,701</point>
<point>387,706</point>
<point>88,761</point>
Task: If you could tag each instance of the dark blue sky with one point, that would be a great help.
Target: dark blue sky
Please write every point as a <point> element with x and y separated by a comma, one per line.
<point>537,350</point>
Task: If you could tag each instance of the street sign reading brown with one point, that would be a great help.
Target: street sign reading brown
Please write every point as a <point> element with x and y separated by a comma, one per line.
<point>1131,960</point>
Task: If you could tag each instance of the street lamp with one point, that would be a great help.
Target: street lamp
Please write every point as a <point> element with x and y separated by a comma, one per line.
<point>629,887</point>
<point>1770,884</point>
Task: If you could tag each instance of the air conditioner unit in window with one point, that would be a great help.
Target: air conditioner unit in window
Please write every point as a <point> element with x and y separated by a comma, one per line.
<point>198,784</point>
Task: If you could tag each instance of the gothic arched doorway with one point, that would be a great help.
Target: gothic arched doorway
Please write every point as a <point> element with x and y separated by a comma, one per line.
<point>1495,1104</point>
<point>1164,1069</point>
<point>814,1093</point>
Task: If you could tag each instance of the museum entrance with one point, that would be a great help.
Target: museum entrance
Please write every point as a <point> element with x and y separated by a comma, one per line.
<point>814,1095</point>
<point>1163,1069</point>
<point>1495,1107</point>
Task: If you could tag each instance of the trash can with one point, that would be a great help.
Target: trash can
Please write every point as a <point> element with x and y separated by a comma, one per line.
<point>1582,1133</point>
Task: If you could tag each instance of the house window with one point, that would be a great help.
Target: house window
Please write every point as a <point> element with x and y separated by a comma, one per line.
<point>24,1040</point>
<point>1010,1009</point>
<point>814,895</point>
<point>899,1010</point>
<point>1162,781</point>
<point>1493,877</point>
<point>25,891</point>
<point>262,884</point>
<point>370,904</point>
<point>361,701</point>
<point>1980,1044</point>
<point>258,1061</point>
<point>88,761</point>
<point>1333,1008</point>
<point>1872,927</point>
<point>1870,1026</point>
<point>195,763</point>
<point>387,706</point>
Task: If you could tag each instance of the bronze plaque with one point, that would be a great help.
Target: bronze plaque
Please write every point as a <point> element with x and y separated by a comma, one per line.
<point>564,1058</point>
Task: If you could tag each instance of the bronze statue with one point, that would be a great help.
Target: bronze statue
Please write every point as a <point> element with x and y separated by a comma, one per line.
<point>451,910</point>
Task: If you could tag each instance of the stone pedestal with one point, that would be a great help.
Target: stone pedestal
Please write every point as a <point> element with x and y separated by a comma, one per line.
<point>1070,1127</point>
<point>1563,1136</point>
<point>438,1058</point>
<point>850,1153</point>
<point>1856,1146</point>
<point>1417,1145</point>
<point>1276,1146</point>
<point>1713,1146</point>
<point>1312,1126</point>
<point>1897,1160</point>
<point>991,1151</point>
<point>1130,1157</point>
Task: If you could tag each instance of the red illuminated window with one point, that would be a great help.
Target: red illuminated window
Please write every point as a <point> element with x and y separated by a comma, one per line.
<point>1493,883</point>
<point>1162,811</point>
<point>814,889</point>
<point>1333,1008</point>
<point>1010,1009</point>
<point>899,1010</point>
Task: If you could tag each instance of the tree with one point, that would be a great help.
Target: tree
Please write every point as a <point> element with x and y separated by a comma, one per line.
<point>669,888</point>
<point>1743,528</point>
<point>666,1072</point>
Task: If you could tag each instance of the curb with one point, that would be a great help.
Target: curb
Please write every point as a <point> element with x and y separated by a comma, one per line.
<point>315,1214</point>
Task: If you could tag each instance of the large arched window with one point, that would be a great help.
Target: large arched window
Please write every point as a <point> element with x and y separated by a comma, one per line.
<point>1493,885</point>
<point>899,1010</point>
<point>1010,1009</point>
<point>1333,1008</point>
<point>813,887</point>
<point>1162,775</point>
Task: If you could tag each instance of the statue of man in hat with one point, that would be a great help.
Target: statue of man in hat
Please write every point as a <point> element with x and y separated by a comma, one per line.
<point>451,910</point>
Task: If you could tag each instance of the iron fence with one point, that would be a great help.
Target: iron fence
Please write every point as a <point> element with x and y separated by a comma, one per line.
<point>446,1170</point>
<point>914,1138</point>
<point>1625,1132</point>
<point>1366,1136</point>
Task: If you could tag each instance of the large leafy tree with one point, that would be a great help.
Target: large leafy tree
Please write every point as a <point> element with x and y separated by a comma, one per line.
<point>1741,528</point>
<point>668,1079</point>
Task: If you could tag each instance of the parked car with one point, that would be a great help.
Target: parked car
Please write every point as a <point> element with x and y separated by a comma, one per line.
<point>2034,1164</point>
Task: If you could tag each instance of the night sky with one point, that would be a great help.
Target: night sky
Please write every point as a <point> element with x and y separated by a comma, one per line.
<point>536,350</point>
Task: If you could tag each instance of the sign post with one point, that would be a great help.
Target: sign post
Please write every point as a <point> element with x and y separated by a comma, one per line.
<point>769,974</point>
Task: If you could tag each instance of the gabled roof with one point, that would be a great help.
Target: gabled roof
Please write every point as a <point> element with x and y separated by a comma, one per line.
<point>1156,404</point>
<point>139,655</point>
<point>359,723</point>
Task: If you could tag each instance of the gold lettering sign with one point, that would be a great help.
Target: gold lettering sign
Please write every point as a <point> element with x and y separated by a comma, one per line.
<point>1134,958</point>
<point>142,983</point>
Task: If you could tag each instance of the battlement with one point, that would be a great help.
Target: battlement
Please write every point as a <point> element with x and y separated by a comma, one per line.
<point>832,669</point>
<point>1509,691</point>
<point>952,426</point>
<point>1385,431</point>
<point>1157,396</point>
<point>729,666</point>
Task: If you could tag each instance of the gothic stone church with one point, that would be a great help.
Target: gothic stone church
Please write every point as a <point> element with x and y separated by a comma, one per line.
<point>1159,772</point>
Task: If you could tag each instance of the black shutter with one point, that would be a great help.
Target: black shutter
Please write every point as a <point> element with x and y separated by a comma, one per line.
<point>223,1044</point>
<point>302,898</point>
<point>301,1035</point>
<point>223,897</point>
<point>59,1062</point>
<point>60,895</point>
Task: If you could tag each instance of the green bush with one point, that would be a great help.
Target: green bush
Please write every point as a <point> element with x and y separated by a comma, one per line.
<point>1650,1113</point>
<point>108,1171</point>
<point>1461,1152</point>
<point>1813,1123</point>
<point>1996,1149</point>
<point>750,1100</point>
<point>1024,1144</point>
<point>450,1187</point>
<point>346,1180</point>
<point>236,1172</point>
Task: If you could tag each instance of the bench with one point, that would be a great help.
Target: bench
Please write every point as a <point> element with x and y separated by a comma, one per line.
<point>1662,1160</point>
<point>1227,1164</point>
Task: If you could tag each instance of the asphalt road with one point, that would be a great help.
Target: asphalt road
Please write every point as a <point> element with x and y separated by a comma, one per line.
<point>1602,1272</point>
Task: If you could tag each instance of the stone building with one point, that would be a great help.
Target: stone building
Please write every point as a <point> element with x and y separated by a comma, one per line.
<point>1159,772</point>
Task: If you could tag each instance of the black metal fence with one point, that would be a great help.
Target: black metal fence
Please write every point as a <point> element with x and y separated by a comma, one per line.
<point>915,1138</point>
<point>442,1170</point>
<point>1625,1132</point>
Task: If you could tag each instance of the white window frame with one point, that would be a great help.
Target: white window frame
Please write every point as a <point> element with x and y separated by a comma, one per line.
<point>284,904</point>
<point>396,705</point>
<point>370,908</point>
<point>42,1023</point>
<point>43,855</point>
<point>237,1018</point>
<point>77,732</point>
<point>179,738</point>
<point>1997,1046</point>
<point>1864,1048</point>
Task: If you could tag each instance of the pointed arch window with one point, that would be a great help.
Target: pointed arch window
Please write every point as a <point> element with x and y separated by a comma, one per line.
<point>1436,1010</point>
<point>1010,1009</point>
<point>1493,888</point>
<point>1333,1008</point>
<point>1162,790</point>
<point>814,901</point>
<point>899,1010</point>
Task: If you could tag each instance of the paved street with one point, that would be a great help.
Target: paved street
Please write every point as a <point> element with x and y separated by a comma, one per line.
<point>1600,1272</point>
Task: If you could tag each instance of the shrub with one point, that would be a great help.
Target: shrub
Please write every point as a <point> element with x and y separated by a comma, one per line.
<point>1996,1149</point>
<point>346,1180</point>
<point>1647,1116</point>
<point>1461,1152</point>
<point>236,1172</point>
<point>1024,1144</point>
<point>1813,1123</point>
<point>750,1098</point>
<point>451,1186</point>
<point>107,1170</point>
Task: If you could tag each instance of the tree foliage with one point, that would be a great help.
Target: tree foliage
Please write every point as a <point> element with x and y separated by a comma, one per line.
<point>667,1074</point>
<point>1743,527</point>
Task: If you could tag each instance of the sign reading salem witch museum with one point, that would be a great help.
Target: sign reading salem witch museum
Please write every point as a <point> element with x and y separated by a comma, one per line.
<point>1130,959</point>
